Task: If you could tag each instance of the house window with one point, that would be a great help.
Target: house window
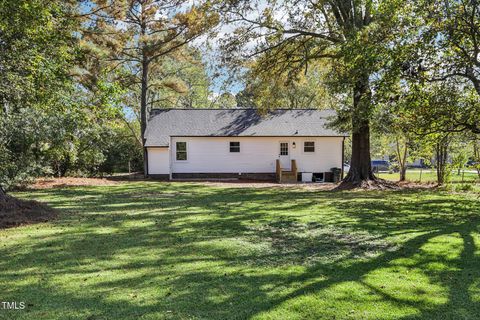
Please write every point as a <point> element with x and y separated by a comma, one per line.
<point>309,146</point>
<point>181,151</point>
<point>234,146</point>
<point>284,148</point>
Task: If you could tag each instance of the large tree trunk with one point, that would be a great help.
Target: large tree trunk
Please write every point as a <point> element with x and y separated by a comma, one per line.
<point>476,153</point>
<point>144,89</point>
<point>360,164</point>
<point>441,150</point>
<point>143,99</point>
<point>143,108</point>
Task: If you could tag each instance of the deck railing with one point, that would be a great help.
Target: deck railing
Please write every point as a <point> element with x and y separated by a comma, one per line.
<point>278,171</point>
<point>294,167</point>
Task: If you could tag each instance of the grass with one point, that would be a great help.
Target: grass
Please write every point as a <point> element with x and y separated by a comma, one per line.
<point>150,250</point>
<point>431,176</point>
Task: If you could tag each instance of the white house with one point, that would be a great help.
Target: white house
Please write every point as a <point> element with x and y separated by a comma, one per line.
<point>241,143</point>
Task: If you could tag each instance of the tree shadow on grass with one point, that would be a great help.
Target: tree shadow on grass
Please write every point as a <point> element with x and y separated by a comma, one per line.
<point>184,250</point>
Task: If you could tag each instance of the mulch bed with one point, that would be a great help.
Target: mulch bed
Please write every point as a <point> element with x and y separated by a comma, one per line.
<point>15,212</point>
<point>381,184</point>
<point>48,183</point>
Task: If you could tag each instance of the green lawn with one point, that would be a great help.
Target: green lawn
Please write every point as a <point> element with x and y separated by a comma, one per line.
<point>431,176</point>
<point>150,250</point>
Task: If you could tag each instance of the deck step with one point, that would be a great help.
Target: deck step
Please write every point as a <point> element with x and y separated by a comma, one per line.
<point>285,175</point>
<point>288,177</point>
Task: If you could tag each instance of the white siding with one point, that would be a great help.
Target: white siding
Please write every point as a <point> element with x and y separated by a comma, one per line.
<point>257,154</point>
<point>158,161</point>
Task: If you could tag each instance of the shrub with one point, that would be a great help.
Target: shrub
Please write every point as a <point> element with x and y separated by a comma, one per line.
<point>464,187</point>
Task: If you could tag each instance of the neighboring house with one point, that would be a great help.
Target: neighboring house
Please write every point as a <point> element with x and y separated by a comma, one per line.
<point>240,143</point>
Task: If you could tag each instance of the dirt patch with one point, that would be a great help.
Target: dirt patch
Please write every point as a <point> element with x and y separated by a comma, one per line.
<point>381,184</point>
<point>417,185</point>
<point>47,183</point>
<point>261,184</point>
<point>15,212</point>
<point>374,184</point>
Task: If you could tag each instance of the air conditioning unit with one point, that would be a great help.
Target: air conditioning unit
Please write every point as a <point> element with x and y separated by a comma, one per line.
<point>319,177</point>
<point>307,176</point>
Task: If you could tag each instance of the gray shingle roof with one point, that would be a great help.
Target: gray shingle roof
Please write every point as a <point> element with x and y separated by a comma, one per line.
<point>164,123</point>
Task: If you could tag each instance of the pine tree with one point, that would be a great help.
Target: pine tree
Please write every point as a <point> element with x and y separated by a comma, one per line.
<point>137,35</point>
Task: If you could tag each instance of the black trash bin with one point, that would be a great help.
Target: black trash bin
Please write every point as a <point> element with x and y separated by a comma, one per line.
<point>336,172</point>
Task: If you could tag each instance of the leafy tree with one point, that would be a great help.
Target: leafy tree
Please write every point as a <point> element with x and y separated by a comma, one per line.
<point>382,145</point>
<point>36,51</point>
<point>399,124</point>
<point>61,110</point>
<point>288,36</point>
<point>447,50</point>
<point>122,153</point>
<point>402,147</point>
<point>442,144</point>
<point>440,77</point>
<point>139,35</point>
<point>460,152</point>
<point>20,137</point>
<point>476,154</point>
<point>402,151</point>
<point>305,90</point>
<point>224,100</point>
<point>396,140</point>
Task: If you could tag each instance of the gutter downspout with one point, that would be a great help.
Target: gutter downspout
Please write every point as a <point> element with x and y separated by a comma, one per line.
<point>170,160</point>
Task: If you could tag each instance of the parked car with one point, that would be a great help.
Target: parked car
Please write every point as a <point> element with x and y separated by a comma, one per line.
<point>472,163</point>
<point>382,166</point>
<point>346,167</point>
